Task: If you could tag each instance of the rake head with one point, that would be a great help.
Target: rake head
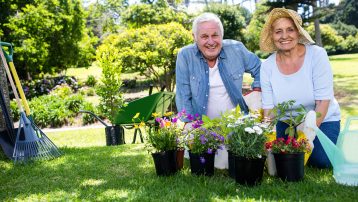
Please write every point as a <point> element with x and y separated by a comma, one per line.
<point>32,144</point>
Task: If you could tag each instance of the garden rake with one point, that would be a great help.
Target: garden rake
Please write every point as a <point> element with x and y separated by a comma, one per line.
<point>31,143</point>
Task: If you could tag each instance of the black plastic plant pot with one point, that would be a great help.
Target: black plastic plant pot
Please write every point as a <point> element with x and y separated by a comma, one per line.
<point>249,171</point>
<point>202,164</point>
<point>290,167</point>
<point>114,135</point>
<point>231,160</point>
<point>165,162</point>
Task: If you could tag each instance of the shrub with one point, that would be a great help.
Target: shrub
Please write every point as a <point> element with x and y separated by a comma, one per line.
<point>74,103</point>
<point>44,86</point>
<point>62,91</point>
<point>15,112</point>
<point>49,110</point>
<point>87,118</point>
<point>91,81</point>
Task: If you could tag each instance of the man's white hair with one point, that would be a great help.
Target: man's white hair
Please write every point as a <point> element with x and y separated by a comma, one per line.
<point>207,17</point>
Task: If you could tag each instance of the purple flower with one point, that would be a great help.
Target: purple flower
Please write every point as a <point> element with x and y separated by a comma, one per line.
<point>202,139</point>
<point>210,151</point>
<point>196,115</point>
<point>220,147</point>
<point>214,134</point>
<point>182,113</point>
<point>174,120</point>
<point>221,138</point>
<point>162,125</point>
<point>202,160</point>
<point>190,117</point>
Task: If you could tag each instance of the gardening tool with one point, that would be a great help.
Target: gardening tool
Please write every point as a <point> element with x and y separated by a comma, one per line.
<point>7,137</point>
<point>31,143</point>
<point>9,59</point>
<point>343,155</point>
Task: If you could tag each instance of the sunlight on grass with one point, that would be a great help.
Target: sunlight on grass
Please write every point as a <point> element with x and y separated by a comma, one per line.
<point>345,70</point>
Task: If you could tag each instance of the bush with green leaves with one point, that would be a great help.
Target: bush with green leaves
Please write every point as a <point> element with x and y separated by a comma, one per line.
<point>150,50</point>
<point>55,111</point>
<point>91,81</point>
<point>139,15</point>
<point>87,118</point>
<point>111,98</point>
<point>332,42</point>
<point>38,87</point>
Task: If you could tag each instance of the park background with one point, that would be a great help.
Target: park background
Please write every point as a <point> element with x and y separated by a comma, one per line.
<point>97,55</point>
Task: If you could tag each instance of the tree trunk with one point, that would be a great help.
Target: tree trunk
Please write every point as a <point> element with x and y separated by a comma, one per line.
<point>317,29</point>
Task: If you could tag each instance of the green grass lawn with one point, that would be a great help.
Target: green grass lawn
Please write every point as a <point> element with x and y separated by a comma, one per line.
<point>90,171</point>
<point>345,69</point>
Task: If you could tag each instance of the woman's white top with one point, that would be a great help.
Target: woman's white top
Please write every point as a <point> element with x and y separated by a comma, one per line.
<point>313,81</point>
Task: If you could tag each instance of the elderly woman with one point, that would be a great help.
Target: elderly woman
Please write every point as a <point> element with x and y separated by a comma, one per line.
<point>300,71</point>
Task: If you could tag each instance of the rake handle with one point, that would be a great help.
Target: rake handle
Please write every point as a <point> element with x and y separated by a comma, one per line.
<point>10,79</point>
<point>19,87</point>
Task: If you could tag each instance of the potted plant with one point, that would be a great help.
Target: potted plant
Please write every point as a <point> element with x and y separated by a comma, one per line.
<point>202,144</point>
<point>179,133</point>
<point>111,98</point>
<point>246,143</point>
<point>162,143</point>
<point>289,151</point>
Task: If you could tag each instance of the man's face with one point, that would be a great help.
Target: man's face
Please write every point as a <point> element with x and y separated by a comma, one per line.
<point>209,40</point>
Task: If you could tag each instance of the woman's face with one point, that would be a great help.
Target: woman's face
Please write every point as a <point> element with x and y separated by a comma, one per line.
<point>284,34</point>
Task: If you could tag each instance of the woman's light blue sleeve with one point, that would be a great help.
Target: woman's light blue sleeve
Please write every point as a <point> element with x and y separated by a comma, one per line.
<point>322,76</point>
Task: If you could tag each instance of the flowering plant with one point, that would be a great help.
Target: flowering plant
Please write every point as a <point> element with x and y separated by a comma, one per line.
<point>295,142</point>
<point>200,139</point>
<point>290,145</point>
<point>164,136</point>
<point>247,135</point>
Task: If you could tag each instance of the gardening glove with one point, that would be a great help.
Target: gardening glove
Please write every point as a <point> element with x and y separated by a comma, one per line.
<point>253,100</point>
<point>308,127</point>
<point>308,131</point>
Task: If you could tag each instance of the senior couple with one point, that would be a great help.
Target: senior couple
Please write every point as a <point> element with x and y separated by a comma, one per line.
<point>209,75</point>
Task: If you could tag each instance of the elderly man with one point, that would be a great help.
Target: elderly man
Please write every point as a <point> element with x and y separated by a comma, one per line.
<point>209,73</point>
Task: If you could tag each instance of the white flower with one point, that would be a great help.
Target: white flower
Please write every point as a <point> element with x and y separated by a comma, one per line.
<point>230,125</point>
<point>239,121</point>
<point>258,130</point>
<point>249,130</point>
<point>259,156</point>
<point>231,117</point>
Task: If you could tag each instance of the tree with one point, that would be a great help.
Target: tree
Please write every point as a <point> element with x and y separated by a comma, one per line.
<point>103,16</point>
<point>232,19</point>
<point>150,50</point>
<point>111,99</point>
<point>253,30</point>
<point>139,15</point>
<point>46,35</point>
<point>347,12</point>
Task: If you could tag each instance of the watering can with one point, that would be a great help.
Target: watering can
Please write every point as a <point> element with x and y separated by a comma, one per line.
<point>344,155</point>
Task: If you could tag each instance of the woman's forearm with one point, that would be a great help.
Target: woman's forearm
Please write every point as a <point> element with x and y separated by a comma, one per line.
<point>321,109</point>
